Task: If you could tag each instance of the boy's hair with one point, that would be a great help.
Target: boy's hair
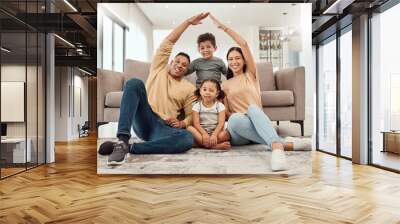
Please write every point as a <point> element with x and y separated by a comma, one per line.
<point>184,55</point>
<point>206,37</point>
<point>221,94</point>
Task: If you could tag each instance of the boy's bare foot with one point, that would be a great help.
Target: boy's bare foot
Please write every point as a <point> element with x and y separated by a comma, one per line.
<point>223,145</point>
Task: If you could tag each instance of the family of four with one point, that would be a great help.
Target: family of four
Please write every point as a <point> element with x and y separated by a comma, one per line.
<point>152,110</point>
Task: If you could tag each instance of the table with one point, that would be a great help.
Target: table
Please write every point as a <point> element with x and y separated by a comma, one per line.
<point>13,150</point>
<point>391,141</point>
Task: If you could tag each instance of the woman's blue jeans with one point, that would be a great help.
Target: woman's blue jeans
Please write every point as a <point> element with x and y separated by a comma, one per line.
<point>159,138</point>
<point>254,126</point>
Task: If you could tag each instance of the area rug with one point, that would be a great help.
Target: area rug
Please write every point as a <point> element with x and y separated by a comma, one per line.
<point>249,159</point>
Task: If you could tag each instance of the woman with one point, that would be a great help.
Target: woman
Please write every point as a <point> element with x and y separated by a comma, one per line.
<point>247,122</point>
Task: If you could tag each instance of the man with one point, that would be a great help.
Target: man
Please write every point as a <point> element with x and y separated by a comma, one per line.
<point>153,116</point>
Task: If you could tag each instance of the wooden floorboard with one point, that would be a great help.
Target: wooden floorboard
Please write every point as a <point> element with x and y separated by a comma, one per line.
<point>70,191</point>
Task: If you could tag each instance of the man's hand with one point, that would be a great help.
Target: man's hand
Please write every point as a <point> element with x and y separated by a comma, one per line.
<point>195,20</point>
<point>175,123</point>
<point>206,140</point>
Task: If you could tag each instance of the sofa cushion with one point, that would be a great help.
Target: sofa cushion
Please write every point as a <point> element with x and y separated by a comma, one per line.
<point>111,114</point>
<point>267,80</point>
<point>278,98</point>
<point>113,99</point>
<point>136,69</point>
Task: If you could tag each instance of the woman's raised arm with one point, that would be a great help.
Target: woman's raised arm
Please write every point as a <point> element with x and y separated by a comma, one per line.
<point>248,57</point>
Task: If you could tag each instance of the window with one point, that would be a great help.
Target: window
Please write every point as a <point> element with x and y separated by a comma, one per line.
<point>346,94</point>
<point>107,43</point>
<point>385,87</point>
<point>113,45</point>
<point>118,50</point>
<point>327,97</point>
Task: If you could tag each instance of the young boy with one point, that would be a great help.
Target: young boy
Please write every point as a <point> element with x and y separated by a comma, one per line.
<point>208,66</point>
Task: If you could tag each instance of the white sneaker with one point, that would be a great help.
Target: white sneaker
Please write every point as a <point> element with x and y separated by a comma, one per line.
<point>302,144</point>
<point>278,160</point>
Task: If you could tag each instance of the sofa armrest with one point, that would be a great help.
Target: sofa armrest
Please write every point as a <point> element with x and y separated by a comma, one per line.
<point>107,81</point>
<point>293,79</point>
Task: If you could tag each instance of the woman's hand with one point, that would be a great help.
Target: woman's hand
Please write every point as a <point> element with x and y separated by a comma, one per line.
<point>195,20</point>
<point>213,141</point>
<point>218,23</point>
<point>251,65</point>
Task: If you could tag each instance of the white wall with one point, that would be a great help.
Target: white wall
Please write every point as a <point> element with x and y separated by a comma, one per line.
<point>306,60</point>
<point>15,72</point>
<point>33,126</point>
<point>66,119</point>
<point>139,40</point>
<point>188,41</point>
<point>61,103</point>
<point>139,35</point>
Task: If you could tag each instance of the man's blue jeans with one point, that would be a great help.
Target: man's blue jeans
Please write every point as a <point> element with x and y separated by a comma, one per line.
<point>159,138</point>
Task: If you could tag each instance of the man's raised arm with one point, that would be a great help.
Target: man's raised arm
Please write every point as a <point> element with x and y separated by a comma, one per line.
<point>163,52</point>
<point>177,32</point>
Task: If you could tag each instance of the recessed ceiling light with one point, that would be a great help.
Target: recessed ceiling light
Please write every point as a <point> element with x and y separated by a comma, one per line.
<point>70,5</point>
<point>64,40</point>
<point>84,71</point>
<point>5,50</point>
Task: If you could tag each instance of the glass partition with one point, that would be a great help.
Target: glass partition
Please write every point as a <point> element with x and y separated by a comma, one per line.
<point>22,64</point>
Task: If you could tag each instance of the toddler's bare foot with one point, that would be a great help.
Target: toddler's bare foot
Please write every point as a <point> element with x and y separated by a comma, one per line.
<point>289,146</point>
<point>223,146</point>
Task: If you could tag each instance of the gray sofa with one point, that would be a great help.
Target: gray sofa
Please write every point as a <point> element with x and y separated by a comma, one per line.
<point>282,92</point>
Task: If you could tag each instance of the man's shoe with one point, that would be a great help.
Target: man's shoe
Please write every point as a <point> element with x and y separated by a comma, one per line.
<point>106,148</point>
<point>117,157</point>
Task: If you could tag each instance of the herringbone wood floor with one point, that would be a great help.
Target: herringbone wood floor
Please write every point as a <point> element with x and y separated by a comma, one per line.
<point>70,191</point>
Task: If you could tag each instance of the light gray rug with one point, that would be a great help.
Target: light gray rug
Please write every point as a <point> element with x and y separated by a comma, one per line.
<point>249,159</point>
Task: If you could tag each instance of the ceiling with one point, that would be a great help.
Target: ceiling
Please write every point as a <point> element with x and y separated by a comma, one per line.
<point>241,14</point>
<point>77,24</point>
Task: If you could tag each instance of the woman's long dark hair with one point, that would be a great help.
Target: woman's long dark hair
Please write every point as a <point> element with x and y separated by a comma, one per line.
<point>221,94</point>
<point>229,73</point>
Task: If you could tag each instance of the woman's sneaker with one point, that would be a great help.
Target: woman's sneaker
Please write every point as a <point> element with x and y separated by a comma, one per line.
<point>118,155</point>
<point>278,160</point>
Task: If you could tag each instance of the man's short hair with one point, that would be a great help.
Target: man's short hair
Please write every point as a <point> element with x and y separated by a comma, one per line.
<point>184,55</point>
<point>206,37</point>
